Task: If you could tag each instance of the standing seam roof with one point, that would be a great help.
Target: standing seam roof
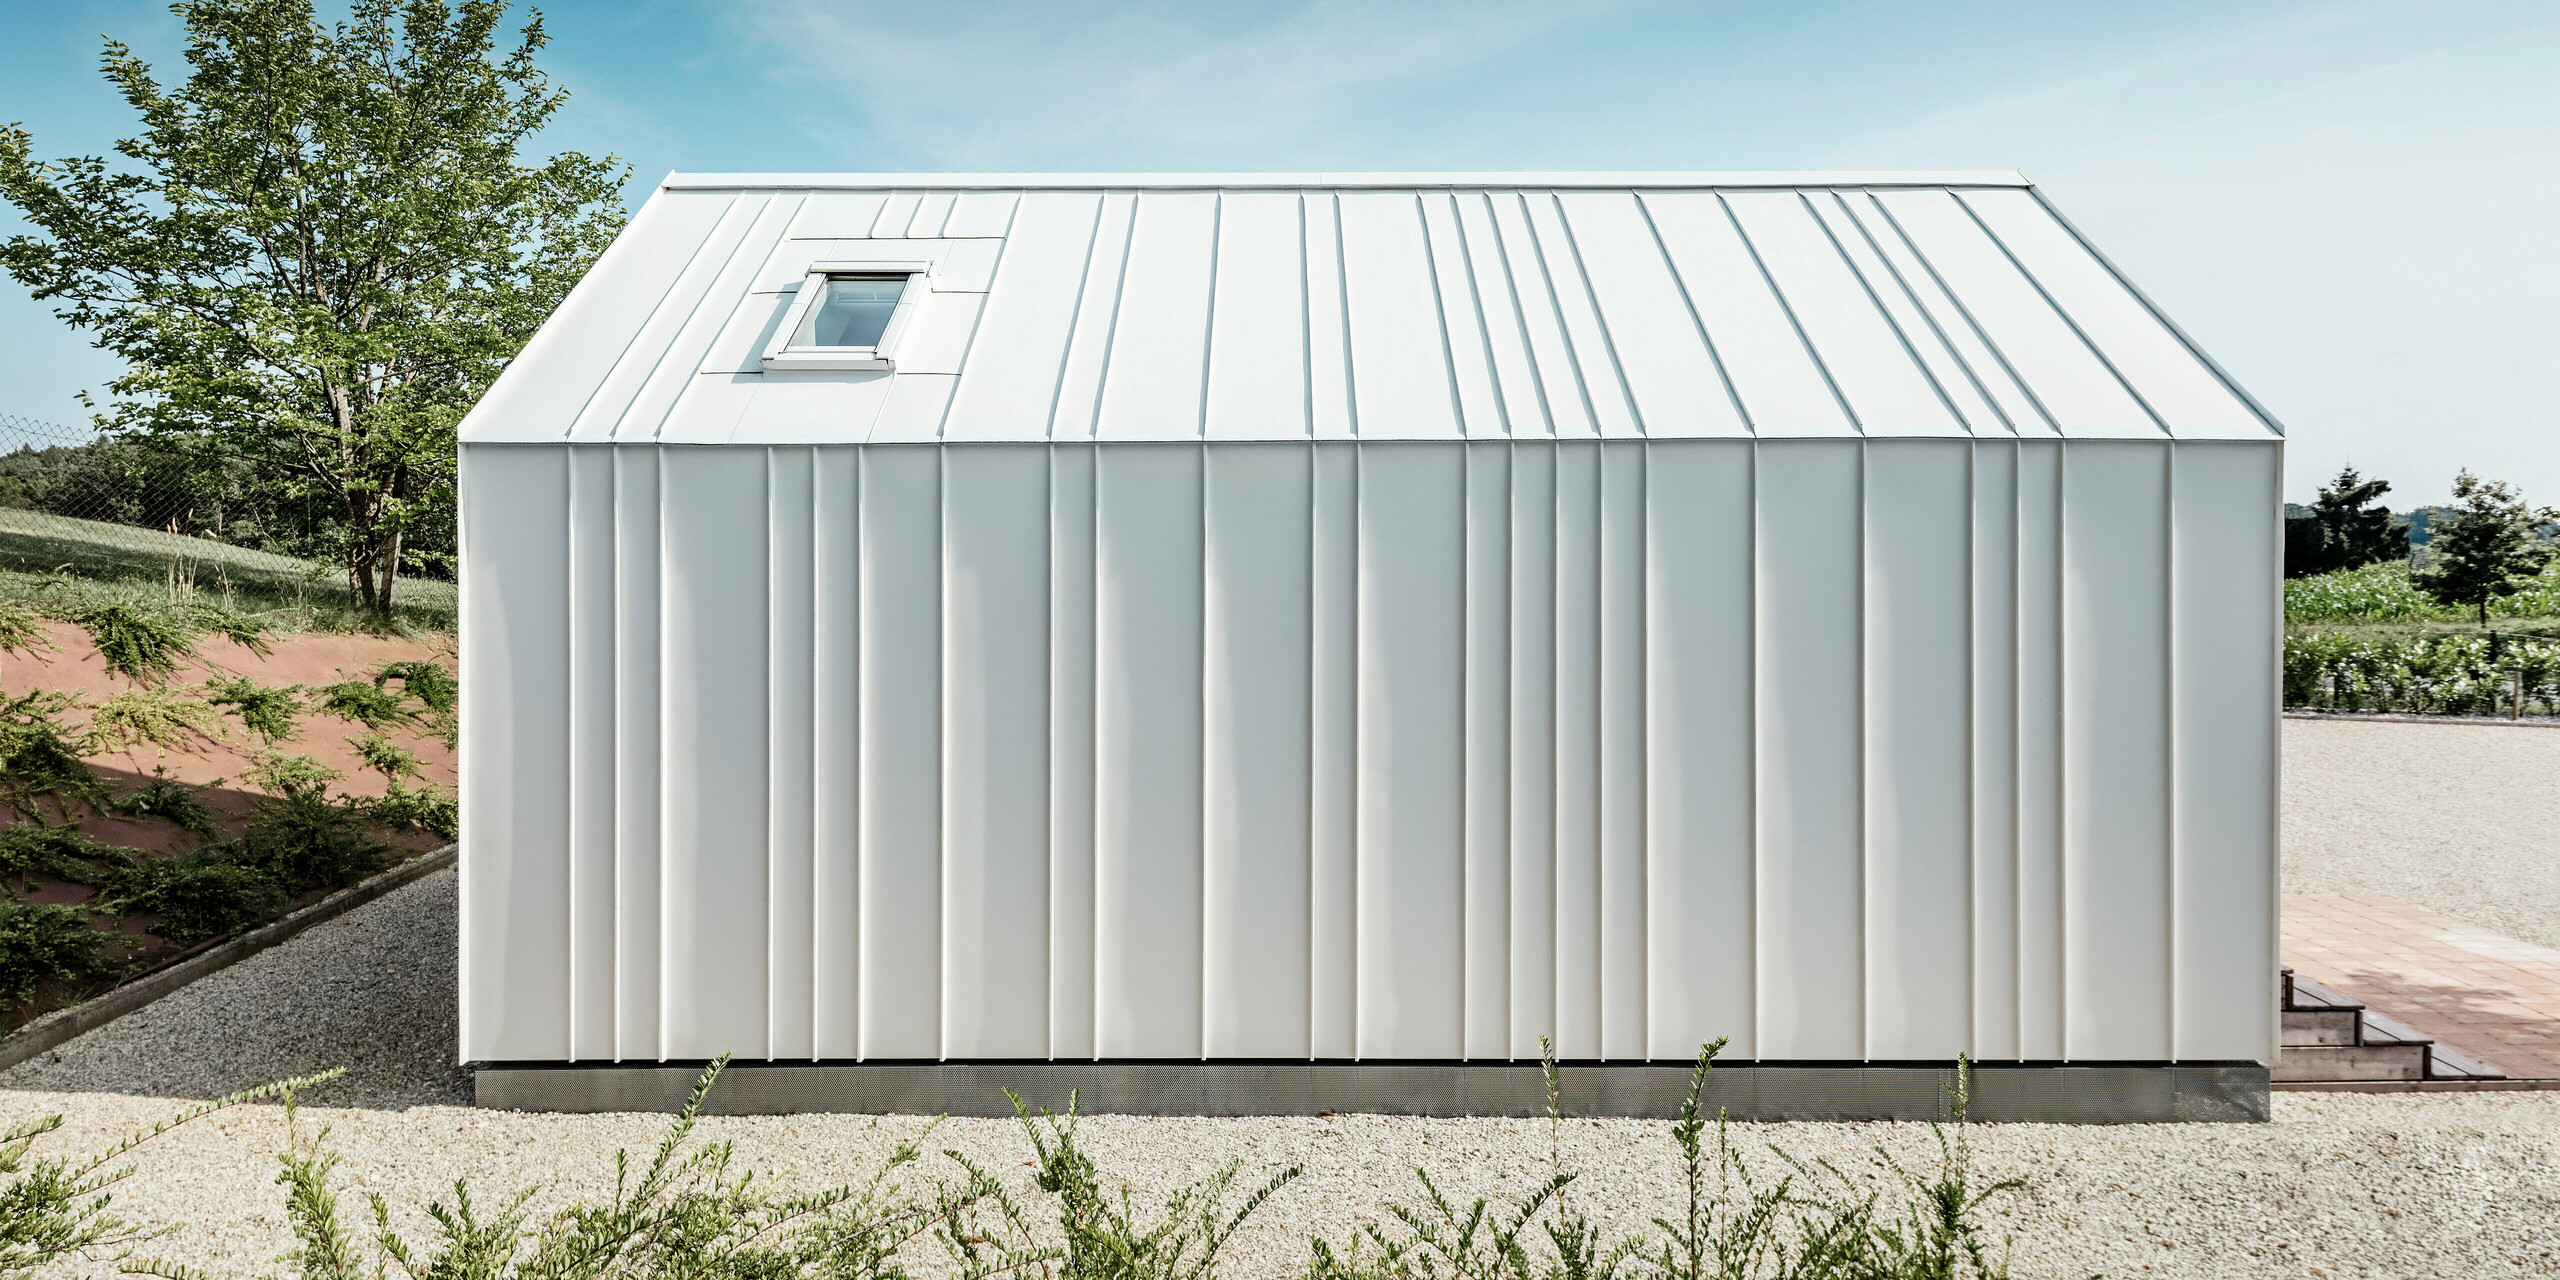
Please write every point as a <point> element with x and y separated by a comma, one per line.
<point>1295,307</point>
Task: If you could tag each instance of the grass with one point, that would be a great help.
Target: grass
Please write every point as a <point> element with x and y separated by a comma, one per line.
<point>118,564</point>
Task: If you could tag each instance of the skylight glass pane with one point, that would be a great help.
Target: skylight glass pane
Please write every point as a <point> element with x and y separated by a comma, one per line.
<point>853,312</point>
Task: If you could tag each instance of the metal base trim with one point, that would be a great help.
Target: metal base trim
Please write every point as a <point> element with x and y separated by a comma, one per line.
<point>2065,1093</point>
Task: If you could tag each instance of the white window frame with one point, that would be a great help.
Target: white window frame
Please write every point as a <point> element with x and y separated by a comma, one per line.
<point>780,354</point>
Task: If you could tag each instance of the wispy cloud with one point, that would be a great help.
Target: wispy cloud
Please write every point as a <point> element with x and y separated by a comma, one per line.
<point>979,84</point>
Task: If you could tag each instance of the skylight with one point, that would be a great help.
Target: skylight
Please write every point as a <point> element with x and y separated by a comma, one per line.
<point>847,316</point>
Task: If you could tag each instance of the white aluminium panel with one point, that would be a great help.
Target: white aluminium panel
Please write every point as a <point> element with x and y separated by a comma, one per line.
<point>592,750</point>
<point>1997,905</point>
<point>1567,405</point>
<point>1698,663</point>
<point>515,765</point>
<point>2171,380</point>
<point>1604,386</point>
<point>1160,343</point>
<point>715,653</point>
<point>2225,500</point>
<point>1410,897</point>
<point>1506,336</point>
<point>1097,315</point>
<point>1782,393</point>
<point>1487,749</point>
<point>1919,837</point>
<point>652,346</point>
<point>638,931</point>
<point>1677,388</point>
<point>1255,708</point>
<point>1333,762</point>
<point>1258,321</point>
<point>1330,413</point>
<point>1810,926</point>
<point>1147,751</point>
<point>1624,922</point>
<point>2044,958</point>
<point>900,893</point>
<point>1575,1021</point>
<point>2070,383</point>
<point>1400,357</point>
<point>1470,358</point>
<point>995,747</point>
<point>1072,582</point>
<point>791,598</point>
<point>1842,319</point>
<point>1945,374</point>
<point>1958,336</point>
<point>1533,746</point>
<point>839,215</point>
<point>835,765</point>
<point>985,213</point>
<point>1021,350</point>
<point>2116,779</point>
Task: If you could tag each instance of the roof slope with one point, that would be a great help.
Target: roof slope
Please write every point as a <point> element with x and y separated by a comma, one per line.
<point>1291,307</point>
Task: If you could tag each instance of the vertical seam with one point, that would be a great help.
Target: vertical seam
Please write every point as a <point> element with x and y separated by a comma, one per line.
<point>1794,324</point>
<point>1440,310</point>
<point>658,459</point>
<point>1111,331</point>
<point>2062,740</point>
<point>1466,758</point>
<point>1696,320</point>
<point>1866,827</point>
<point>1359,533</point>
<point>2169,739</point>
<point>1075,311</point>
<point>1209,329</point>
<point>1484,327</point>
<point>1342,283</point>
<point>569,940</point>
<point>2017,741</point>
<point>1306,366</point>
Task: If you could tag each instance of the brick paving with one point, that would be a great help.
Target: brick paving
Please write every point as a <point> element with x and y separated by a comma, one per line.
<point>2480,994</point>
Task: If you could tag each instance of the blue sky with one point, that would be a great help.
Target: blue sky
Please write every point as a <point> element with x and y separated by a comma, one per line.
<point>2350,204</point>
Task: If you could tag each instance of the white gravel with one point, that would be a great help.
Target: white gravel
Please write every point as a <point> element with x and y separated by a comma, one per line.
<point>2338,1185</point>
<point>2462,819</point>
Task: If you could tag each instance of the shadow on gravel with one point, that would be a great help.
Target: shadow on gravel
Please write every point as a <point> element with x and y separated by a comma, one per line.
<point>372,991</point>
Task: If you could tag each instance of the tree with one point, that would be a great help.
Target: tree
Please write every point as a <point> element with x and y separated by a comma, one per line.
<point>2491,547</point>
<point>2346,528</point>
<point>325,249</point>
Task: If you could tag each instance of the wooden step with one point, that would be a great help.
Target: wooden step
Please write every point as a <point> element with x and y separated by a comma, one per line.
<point>2327,1036</point>
<point>2352,1062</point>
<point>2304,1028</point>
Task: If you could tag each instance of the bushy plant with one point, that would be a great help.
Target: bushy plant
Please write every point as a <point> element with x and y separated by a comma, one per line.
<point>155,715</point>
<point>41,758</point>
<point>309,842</point>
<point>385,757</point>
<point>2423,674</point>
<point>37,848</point>
<point>2385,593</point>
<point>207,894</point>
<point>431,683</point>
<point>361,702</point>
<point>282,774</point>
<point>141,644</point>
<point>268,711</point>
<point>1107,1236</point>
<point>429,808</point>
<point>49,941</point>
<point>56,1211</point>
<point>168,799</point>
<point>21,628</point>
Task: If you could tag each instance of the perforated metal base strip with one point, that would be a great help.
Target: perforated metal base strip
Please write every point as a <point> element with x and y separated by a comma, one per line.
<point>2111,1093</point>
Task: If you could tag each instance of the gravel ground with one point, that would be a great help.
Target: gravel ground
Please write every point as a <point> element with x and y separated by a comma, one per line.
<point>2338,1185</point>
<point>2397,808</point>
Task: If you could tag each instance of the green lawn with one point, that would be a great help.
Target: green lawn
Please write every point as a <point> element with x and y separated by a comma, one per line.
<point>121,561</point>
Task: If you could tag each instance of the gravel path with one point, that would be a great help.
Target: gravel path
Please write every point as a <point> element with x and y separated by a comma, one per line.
<point>2338,1185</point>
<point>2463,819</point>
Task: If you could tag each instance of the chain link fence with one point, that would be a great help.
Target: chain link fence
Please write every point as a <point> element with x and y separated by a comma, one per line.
<point>180,513</point>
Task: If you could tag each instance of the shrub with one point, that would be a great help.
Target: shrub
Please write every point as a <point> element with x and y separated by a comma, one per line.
<point>1109,1238</point>
<point>385,757</point>
<point>49,941</point>
<point>289,775</point>
<point>38,758</point>
<point>61,852</point>
<point>207,894</point>
<point>156,715</point>
<point>137,643</point>
<point>429,808</point>
<point>2384,593</point>
<point>267,711</point>
<point>431,683</point>
<point>21,628</point>
<point>2426,675</point>
<point>167,798</point>
<point>361,703</point>
<point>307,842</point>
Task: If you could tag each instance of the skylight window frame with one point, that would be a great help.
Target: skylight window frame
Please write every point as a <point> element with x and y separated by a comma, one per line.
<point>779,354</point>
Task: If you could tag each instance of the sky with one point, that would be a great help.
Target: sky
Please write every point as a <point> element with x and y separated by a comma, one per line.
<point>2350,205</point>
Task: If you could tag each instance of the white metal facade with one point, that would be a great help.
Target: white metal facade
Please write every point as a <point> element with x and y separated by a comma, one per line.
<point>1384,618</point>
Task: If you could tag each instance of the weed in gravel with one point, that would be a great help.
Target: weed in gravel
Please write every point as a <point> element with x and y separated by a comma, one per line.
<point>155,715</point>
<point>280,774</point>
<point>140,643</point>
<point>431,683</point>
<point>206,894</point>
<point>49,941</point>
<point>429,808</point>
<point>40,758</point>
<point>1107,1236</point>
<point>33,848</point>
<point>385,757</point>
<point>361,703</point>
<point>268,711</point>
<point>56,1210</point>
<point>170,800</point>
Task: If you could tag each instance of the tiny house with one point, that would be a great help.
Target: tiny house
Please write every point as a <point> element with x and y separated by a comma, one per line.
<point>1263,642</point>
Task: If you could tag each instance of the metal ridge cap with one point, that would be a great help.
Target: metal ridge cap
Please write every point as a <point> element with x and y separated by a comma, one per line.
<point>1618,180</point>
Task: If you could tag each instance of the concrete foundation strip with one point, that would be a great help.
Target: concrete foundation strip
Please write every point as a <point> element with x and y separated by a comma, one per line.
<point>53,1029</point>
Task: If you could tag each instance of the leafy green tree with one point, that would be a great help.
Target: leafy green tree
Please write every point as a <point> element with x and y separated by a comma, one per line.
<point>324,248</point>
<point>2346,528</point>
<point>2493,547</point>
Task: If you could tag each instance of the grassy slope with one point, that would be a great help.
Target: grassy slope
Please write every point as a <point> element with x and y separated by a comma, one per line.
<point>120,561</point>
